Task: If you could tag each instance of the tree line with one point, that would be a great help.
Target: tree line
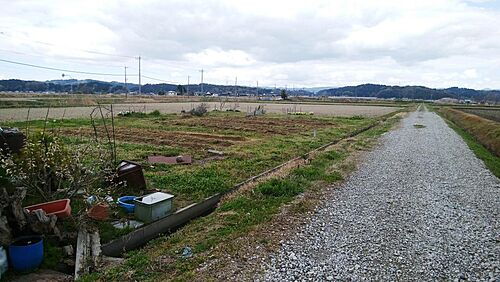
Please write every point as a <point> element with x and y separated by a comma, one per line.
<point>413,92</point>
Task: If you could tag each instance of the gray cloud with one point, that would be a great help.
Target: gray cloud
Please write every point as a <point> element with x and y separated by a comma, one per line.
<point>432,42</point>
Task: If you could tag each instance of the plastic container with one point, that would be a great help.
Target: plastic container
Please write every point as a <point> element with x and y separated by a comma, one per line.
<point>60,208</point>
<point>127,203</point>
<point>99,211</point>
<point>26,253</point>
<point>132,174</point>
<point>3,262</point>
<point>154,206</point>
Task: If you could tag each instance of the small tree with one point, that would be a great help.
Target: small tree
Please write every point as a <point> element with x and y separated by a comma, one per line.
<point>284,96</point>
<point>199,110</point>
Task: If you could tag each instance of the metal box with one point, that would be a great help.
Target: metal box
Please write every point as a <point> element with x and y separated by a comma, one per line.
<point>153,206</point>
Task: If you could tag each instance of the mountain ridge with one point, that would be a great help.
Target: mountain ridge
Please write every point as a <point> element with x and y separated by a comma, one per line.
<point>89,86</point>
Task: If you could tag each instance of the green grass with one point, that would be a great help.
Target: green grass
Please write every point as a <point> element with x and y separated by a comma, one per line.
<point>53,254</point>
<point>197,181</point>
<point>234,218</point>
<point>491,161</point>
<point>281,187</point>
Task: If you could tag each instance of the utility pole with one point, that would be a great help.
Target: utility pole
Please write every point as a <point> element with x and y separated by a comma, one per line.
<point>71,84</point>
<point>201,84</point>
<point>235,85</point>
<point>187,88</point>
<point>126,87</point>
<point>257,88</point>
<point>140,90</point>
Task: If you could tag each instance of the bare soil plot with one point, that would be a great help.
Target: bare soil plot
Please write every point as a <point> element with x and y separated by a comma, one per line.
<point>257,124</point>
<point>20,114</point>
<point>160,137</point>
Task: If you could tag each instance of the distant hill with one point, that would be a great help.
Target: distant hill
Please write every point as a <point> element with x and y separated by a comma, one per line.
<point>99,87</point>
<point>89,86</point>
<point>412,92</point>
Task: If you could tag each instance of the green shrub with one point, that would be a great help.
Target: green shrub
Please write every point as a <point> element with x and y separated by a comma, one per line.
<point>49,169</point>
<point>155,113</point>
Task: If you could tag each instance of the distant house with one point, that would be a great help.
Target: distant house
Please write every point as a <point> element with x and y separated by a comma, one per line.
<point>447,101</point>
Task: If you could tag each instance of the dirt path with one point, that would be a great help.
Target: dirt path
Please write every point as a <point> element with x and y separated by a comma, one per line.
<point>20,114</point>
<point>421,207</point>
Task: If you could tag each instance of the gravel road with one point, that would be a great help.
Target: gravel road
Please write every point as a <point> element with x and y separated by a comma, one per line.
<point>421,207</point>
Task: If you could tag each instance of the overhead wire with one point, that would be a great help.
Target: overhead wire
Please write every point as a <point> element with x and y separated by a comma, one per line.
<point>78,71</point>
<point>64,70</point>
<point>82,50</point>
<point>85,61</point>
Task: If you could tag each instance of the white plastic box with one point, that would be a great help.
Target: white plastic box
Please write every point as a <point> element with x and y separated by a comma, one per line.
<point>153,206</point>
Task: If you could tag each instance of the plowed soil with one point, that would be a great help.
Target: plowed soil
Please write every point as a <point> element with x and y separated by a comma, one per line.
<point>256,124</point>
<point>160,137</point>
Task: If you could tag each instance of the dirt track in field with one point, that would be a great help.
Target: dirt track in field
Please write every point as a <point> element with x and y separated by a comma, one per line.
<point>20,114</point>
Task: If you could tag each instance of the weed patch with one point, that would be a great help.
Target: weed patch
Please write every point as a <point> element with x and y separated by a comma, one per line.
<point>281,188</point>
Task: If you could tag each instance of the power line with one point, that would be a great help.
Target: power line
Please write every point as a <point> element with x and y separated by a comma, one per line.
<point>162,80</point>
<point>82,50</point>
<point>83,72</point>
<point>58,69</point>
<point>86,61</point>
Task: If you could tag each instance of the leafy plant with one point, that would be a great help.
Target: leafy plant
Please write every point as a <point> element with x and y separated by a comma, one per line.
<point>51,170</point>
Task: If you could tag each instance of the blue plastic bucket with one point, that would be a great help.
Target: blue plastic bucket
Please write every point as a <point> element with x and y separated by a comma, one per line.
<point>127,203</point>
<point>26,253</point>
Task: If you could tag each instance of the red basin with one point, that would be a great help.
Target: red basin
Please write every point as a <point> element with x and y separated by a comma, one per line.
<point>59,208</point>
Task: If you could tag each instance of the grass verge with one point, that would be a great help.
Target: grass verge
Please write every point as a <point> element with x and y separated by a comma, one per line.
<point>486,132</point>
<point>491,161</point>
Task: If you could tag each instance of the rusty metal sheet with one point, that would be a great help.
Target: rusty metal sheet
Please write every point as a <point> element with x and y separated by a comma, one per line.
<point>170,160</point>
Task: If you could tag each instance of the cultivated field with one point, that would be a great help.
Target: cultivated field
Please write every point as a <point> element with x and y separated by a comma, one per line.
<point>250,145</point>
<point>21,114</point>
<point>491,114</point>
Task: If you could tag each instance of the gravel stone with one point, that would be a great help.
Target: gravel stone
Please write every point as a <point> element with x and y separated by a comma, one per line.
<point>420,207</point>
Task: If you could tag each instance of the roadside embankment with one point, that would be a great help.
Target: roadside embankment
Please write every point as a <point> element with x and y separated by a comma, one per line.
<point>487,132</point>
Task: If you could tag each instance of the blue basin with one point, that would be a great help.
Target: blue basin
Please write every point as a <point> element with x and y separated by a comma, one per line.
<point>127,203</point>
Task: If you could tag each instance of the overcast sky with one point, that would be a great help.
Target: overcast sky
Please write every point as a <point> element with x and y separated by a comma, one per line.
<point>436,43</point>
